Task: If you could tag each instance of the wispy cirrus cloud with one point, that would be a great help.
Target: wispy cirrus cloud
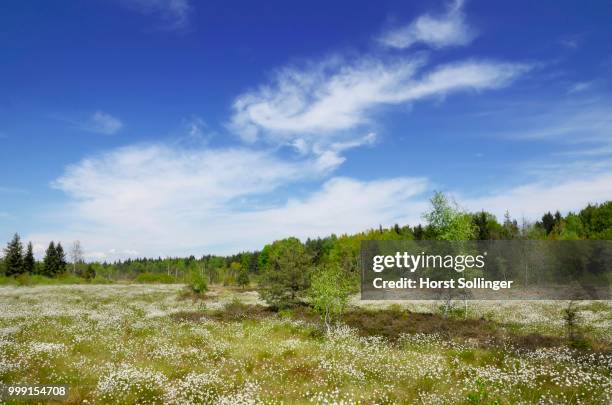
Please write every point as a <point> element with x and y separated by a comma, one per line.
<point>436,31</point>
<point>103,123</point>
<point>175,14</point>
<point>573,122</point>
<point>580,87</point>
<point>322,102</point>
<point>533,199</point>
<point>571,41</point>
<point>98,122</point>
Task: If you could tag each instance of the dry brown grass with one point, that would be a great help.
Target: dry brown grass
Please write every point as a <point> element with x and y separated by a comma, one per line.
<point>393,322</point>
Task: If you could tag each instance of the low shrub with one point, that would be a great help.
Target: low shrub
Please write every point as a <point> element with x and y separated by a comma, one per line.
<point>197,282</point>
<point>100,280</point>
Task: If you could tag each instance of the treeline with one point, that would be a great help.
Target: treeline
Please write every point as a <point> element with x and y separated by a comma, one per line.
<point>226,270</point>
<point>288,266</point>
<point>19,262</point>
<point>289,262</point>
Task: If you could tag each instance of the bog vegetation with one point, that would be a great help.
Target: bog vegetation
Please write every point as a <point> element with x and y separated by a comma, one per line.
<point>283,325</point>
<point>146,343</point>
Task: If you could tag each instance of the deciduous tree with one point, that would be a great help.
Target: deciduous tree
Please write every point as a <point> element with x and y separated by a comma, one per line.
<point>329,293</point>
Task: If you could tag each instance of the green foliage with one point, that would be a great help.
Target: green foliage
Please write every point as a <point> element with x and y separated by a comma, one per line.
<point>155,278</point>
<point>98,279</point>
<point>510,229</point>
<point>447,222</point>
<point>329,293</point>
<point>197,282</point>
<point>13,257</point>
<point>49,268</point>
<point>480,395</point>
<point>29,263</point>
<point>262,260</point>
<point>286,276</point>
<point>486,225</point>
<point>444,221</point>
<point>37,279</point>
<point>54,262</point>
<point>61,258</point>
<point>573,329</point>
<point>571,228</point>
<point>89,273</point>
<point>548,222</point>
<point>344,251</point>
<point>243,277</point>
<point>597,220</point>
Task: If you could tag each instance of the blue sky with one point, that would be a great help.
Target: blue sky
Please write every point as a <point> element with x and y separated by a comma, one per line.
<point>171,127</point>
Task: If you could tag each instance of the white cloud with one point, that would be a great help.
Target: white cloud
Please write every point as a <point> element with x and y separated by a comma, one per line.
<point>158,200</point>
<point>321,103</point>
<point>103,123</point>
<point>571,41</point>
<point>449,29</point>
<point>341,205</point>
<point>196,128</point>
<point>175,13</point>
<point>332,95</point>
<point>98,122</point>
<point>580,87</point>
<point>575,122</point>
<point>154,177</point>
<point>532,200</point>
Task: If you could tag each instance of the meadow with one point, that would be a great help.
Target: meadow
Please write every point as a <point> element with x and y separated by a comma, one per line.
<point>158,344</point>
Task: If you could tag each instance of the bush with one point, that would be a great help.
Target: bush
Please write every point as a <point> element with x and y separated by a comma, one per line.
<point>155,278</point>
<point>26,279</point>
<point>197,282</point>
<point>243,277</point>
<point>63,278</point>
<point>100,280</point>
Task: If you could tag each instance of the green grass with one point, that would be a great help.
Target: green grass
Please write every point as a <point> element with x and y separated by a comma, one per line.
<point>143,343</point>
<point>37,279</point>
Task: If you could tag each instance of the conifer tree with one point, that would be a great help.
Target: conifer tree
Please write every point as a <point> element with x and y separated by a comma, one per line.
<point>28,260</point>
<point>50,261</point>
<point>61,258</point>
<point>13,256</point>
<point>243,277</point>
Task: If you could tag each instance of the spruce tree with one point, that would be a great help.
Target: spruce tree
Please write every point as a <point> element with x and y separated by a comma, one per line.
<point>243,277</point>
<point>50,261</point>
<point>28,260</point>
<point>61,258</point>
<point>13,257</point>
